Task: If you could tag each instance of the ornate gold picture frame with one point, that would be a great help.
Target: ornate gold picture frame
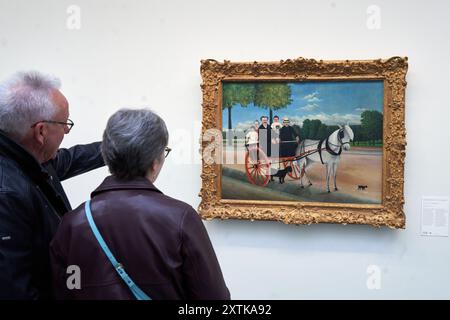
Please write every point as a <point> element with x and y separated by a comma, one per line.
<point>331,84</point>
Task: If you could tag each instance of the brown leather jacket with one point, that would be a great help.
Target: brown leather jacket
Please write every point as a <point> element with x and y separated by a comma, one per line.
<point>160,241</point>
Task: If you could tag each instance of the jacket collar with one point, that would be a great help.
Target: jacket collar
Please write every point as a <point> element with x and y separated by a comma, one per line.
<point>25,160</point>
<point>113,183</point>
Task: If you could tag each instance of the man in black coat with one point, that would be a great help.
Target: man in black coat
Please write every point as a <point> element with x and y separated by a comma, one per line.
<point>265,136</point>
<point>288,139</point>
<point>33,121</point>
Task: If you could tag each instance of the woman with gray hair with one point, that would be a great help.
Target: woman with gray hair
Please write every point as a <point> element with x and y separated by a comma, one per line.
<point>130,240</point>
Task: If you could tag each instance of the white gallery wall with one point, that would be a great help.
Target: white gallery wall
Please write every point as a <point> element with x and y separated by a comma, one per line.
<point>135,53</point>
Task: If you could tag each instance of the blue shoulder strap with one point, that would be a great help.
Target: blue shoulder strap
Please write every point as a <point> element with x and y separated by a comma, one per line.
<point>138,293</point>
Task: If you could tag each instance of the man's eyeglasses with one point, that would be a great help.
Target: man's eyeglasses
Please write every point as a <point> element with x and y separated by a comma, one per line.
<point>69,123</point>
<point>166,151</point>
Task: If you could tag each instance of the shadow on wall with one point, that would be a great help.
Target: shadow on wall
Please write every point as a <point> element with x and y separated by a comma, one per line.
<point>323,238</point>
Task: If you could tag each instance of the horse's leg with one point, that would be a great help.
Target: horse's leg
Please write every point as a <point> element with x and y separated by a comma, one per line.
<point>334,174</point>
<point>327,166</point>
<point>301,178</point>
<point>309,181</point>
<point>305,165</point>
<point>304,174</point>
<point>299,164</point>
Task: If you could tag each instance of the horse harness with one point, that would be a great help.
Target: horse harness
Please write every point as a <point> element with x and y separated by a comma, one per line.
<point>327,145</point>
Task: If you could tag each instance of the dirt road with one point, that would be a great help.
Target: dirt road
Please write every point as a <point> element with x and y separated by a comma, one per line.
<point>359,166</point>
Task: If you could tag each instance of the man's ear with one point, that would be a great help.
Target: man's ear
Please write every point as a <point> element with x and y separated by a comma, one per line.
<point>39,133</point>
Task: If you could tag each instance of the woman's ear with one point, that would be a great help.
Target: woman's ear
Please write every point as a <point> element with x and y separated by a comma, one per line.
<point>156,168</point>
<point>155,165</point>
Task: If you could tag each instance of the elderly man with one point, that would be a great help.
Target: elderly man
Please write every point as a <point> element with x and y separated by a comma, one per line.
<point>288,139</point>
<point>265,136</point>
<point>34,117</point>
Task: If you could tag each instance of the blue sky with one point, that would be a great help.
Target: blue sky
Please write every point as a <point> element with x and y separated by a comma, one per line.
<point>332,102</point>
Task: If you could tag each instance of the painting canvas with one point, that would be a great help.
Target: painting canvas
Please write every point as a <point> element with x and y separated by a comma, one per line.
<point>304,141</point>
<point>308,160</point>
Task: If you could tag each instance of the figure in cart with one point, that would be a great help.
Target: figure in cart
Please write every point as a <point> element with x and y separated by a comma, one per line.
<point>295,156</point>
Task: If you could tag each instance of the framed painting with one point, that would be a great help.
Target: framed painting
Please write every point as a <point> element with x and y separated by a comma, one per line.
<point>304,141</point>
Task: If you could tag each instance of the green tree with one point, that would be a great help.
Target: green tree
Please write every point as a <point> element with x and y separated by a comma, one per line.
<point>306,129</point>
<point>322,131</point>
<point>297,130</point>
<point>236,94</point>
<point>372,125</point>
<point>359,134</point>
<point>272,96</point>
<point>314,130</point>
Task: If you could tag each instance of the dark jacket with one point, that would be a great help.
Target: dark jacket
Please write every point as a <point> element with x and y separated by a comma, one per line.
<point>32,202</point>
<point>160,241</point>
<point>288,145</point>
<point>265,139</point>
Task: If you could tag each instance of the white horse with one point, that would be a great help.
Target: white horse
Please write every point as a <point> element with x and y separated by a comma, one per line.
<point>325,151</point>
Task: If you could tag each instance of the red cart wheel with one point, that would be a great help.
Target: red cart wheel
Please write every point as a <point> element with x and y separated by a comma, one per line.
<point>257,167</point>
<point>296,171</point>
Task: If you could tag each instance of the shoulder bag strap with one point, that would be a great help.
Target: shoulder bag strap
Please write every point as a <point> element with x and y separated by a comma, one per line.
<point>137,292</point>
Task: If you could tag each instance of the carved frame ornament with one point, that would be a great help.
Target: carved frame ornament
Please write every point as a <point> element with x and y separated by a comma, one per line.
<point>391,71</point>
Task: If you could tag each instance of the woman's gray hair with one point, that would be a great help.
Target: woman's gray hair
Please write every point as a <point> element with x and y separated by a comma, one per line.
<point>132,141</point>
<point>26,98</point>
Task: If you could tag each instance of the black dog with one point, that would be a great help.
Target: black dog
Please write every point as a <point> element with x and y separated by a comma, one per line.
<point>361,187</point>
<point>281,174</point>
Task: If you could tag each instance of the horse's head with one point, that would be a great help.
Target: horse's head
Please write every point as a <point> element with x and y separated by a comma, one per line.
<point>345,135</point>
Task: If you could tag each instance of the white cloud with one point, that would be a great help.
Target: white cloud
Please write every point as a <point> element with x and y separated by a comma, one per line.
<point>361,109</point>
<point>329,119</point>
<point>242,126</point>
<point>310,107</point>
<point>313,97</point>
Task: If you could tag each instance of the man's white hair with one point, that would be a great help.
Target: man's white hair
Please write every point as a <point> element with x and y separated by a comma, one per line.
<point>25,98</point>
